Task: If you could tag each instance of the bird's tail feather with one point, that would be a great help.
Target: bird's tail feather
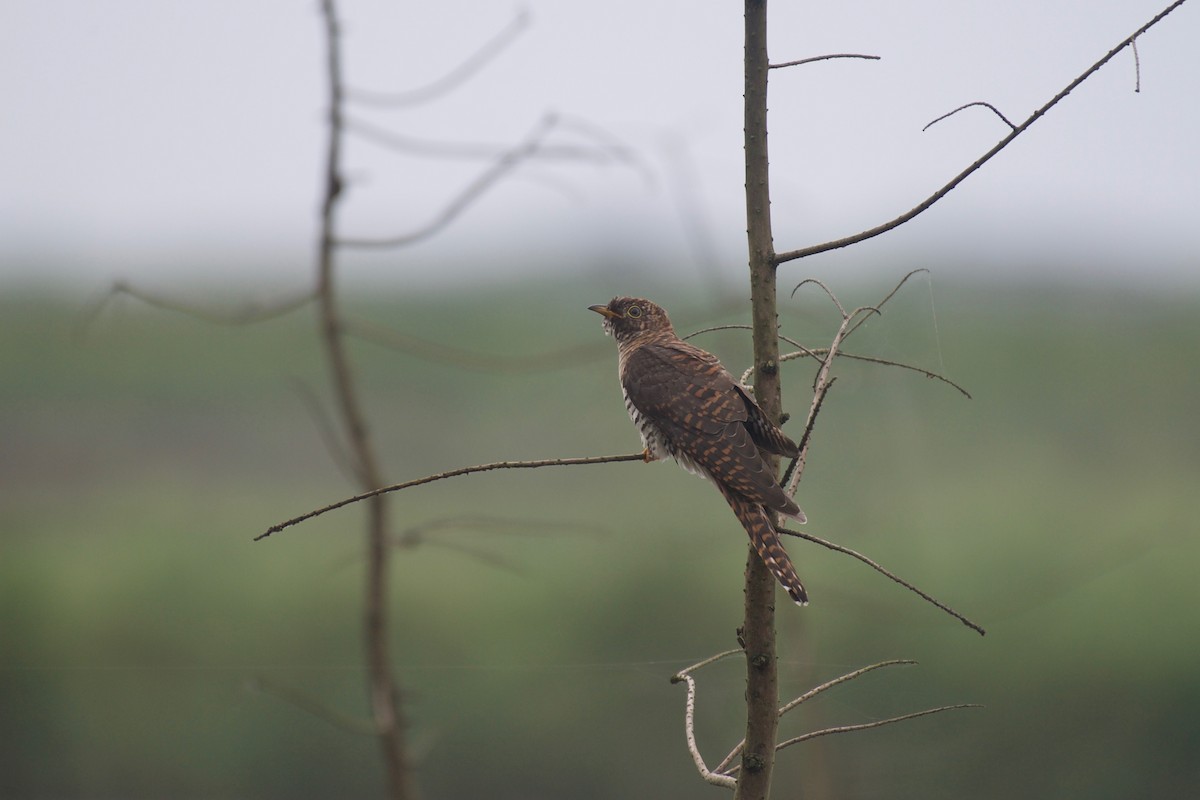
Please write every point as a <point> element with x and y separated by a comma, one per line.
<point>766,541</point>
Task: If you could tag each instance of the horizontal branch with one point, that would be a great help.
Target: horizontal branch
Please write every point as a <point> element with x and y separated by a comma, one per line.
<point>454,473</point>
<point>811,59</point>
<point>871,233</point>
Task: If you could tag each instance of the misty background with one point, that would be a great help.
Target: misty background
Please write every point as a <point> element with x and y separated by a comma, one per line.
<point>149,649</point>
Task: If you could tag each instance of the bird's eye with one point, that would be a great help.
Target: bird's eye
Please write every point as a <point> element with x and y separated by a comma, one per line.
<point>634,312</point>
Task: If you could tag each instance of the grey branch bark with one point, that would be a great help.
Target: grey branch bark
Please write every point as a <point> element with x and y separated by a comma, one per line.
<point>758,627</point>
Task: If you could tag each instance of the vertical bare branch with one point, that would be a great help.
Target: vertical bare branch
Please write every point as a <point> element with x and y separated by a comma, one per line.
<point>758,627</point>
<point>384,695</point>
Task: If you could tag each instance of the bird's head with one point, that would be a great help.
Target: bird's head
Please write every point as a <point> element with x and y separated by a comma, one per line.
<point>626,318</point>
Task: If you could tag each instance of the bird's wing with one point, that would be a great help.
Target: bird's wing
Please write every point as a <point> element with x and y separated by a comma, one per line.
<point>766,433</point>
<point>696,403</point>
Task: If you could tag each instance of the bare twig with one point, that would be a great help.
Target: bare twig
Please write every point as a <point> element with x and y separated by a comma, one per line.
<point>995,111</point>
<point>887,573</point>
<point>503,165</point>
<point>326,430</point>
<point>454,473</point>
<point>804,252</point>
<point>420,534</point>
<point>1137,66</point>
<point>873,360</point>
<point>876,724</point>
<point>689,721</point>
<point>246,313</point>
<point>888,297</point>
<point>810,694</point>
<point>452,79</point>
<point>391,140</point>
<point>811,59</point>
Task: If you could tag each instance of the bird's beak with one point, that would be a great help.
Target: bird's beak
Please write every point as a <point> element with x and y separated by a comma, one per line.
<point>604,311</point>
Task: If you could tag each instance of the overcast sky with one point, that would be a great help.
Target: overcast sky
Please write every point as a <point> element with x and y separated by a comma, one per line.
<point>157,140</point>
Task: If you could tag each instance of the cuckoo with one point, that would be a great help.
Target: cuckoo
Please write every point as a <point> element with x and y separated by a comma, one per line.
<point>687,406</point>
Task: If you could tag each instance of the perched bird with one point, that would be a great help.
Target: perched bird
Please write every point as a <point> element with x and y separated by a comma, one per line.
<point>687,406</point>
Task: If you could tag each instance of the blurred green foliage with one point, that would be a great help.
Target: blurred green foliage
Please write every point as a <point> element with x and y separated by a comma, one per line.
<point>144,638</point>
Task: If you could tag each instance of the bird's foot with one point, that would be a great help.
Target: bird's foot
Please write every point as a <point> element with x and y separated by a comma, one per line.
<point>648,456</point>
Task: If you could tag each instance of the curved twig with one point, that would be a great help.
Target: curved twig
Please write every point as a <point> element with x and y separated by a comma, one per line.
<point>452,79</point>
<point>246,313</point>
<point>876,724</point>
<point>886,573</point>
<point>873,360</point>
<point>995,111</point>
<point>469,194</point>
<point>689,722</point>
<point>454,473</point>
<point>871,233</point>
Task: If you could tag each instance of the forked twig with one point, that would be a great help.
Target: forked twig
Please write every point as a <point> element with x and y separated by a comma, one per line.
<point>886,573</point>
<point>454,473</point>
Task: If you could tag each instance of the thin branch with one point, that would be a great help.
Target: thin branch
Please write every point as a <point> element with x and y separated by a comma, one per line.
<point>940,193</point>
<point>995,111</point>
<point>503,165</point>
<point>811,59</point>
<point>420,534</point>
<point>1137,66</point>
<point>873,360</point>
<point>454,473</point>
<point>889,296</point>
<point>811,693</point>
<point>391,140</point>
<point>246,313</point>
<point>689,721</point>
<point>849,676</point>
<point>326,430</point>
<point>885,572</point>
<point>678,676</point>
<point>821,385</point>
<point>452,79</point>
<point>876,724</point>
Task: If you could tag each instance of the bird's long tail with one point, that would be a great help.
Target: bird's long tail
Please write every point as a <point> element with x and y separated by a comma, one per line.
<point>765,539</point>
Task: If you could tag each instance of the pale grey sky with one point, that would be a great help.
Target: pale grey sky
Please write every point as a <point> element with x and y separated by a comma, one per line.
<point>160,140</point>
